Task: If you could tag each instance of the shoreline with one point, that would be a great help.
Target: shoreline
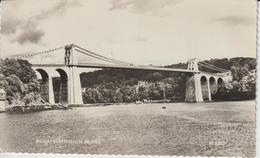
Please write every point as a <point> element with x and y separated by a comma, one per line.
<point>48,107</point>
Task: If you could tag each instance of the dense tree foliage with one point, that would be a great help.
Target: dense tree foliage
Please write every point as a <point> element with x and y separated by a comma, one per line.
<point>19,81</point>
<point>118,85</point>
<point>21,68</point>
<point>242,89</point>
<point>243,85</point>
<point>122,85</point>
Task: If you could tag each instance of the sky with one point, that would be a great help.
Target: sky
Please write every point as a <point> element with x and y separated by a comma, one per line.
<point>158,32</point>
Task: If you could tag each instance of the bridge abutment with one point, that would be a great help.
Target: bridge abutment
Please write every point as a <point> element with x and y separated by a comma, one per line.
<point>198,88</point>
<point>193,89</point>
<point>193,85</point>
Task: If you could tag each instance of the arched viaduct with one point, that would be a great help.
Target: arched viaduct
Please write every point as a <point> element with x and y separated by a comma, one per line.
<point>61,83</point>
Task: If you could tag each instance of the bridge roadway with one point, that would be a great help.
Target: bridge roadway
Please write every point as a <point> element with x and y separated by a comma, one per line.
<point>136,67</point>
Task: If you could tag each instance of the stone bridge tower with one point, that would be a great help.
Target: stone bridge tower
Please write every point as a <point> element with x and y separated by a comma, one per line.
<point>74,85</point>
<point>193,86</point>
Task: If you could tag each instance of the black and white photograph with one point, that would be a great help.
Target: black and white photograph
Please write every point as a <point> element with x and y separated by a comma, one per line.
<point>128,77</point>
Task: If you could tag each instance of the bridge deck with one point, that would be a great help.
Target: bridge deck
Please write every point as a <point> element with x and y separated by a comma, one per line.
<point>135,67</point>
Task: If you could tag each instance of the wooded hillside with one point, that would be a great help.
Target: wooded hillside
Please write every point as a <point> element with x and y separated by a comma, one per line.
<point>120,85</point>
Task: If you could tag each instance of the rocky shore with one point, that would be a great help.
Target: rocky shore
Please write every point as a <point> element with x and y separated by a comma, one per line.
<point>35,108</point>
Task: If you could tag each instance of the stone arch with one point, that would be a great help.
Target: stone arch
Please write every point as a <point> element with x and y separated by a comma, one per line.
<point>43,79</point>
<point>204,87</point>
<point>212,80</point>
<point>203,79</point>
<point>213,86</point>
<point>44,74</point>
<point>63,73</point>
<point>60,87</point>
<point>220,81</point>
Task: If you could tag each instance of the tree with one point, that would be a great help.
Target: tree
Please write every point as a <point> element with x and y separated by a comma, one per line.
<point>19,80</point>
<point>15,85</point>
<point>156,76</point>
<point>21,68</point>
<point>90,96</point>
<point>235,70</point>
<point>143,93</point>
<point>245,70</point>
<point>156,92</point>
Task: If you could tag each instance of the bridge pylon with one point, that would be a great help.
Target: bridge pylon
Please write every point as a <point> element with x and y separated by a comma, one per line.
<point>74,84</point>
<point>193,65</point>
<point>193,84</point>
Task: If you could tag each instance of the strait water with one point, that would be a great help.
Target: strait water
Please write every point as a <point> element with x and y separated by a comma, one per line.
<point>222,128</point>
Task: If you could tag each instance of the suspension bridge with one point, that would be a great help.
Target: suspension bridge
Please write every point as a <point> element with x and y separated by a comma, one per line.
<point>68,62</point>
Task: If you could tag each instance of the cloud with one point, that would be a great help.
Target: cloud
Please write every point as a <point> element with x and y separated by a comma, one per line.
<point>234,20</point>
<point>119,4</point>
<point>30,36</point>
<point>141,6</point>
<point>10,25</point>
<point>142,39</point>
<point>58,9</point>
<point>29,27</point>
